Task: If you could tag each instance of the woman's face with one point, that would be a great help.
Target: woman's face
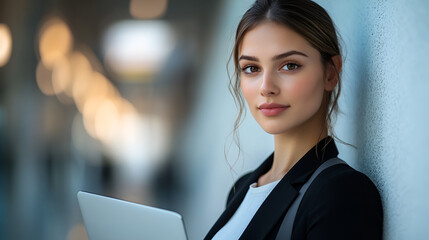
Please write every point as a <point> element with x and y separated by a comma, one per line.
<point>282,79</point>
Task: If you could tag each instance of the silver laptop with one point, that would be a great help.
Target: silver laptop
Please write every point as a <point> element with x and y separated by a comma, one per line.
<point>112,219</point>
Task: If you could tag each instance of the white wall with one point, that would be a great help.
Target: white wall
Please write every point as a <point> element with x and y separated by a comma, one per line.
<point>385,95</point>
<point>385,91</point>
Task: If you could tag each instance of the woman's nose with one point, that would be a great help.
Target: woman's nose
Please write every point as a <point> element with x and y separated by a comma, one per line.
<point>268,85</point>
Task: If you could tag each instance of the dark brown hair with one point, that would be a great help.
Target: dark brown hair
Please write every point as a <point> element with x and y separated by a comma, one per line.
<point>306,18</point>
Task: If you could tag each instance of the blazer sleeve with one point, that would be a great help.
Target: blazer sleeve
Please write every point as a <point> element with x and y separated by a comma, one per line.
<point>343,205</point>
<point>237,185</point>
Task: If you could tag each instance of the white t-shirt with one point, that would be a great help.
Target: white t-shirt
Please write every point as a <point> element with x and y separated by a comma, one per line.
<point>252,201</point>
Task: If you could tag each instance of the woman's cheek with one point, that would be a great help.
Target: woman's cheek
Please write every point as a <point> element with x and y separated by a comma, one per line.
<point>307,88</point>
<point>244,89</point>
<point>247,90</point>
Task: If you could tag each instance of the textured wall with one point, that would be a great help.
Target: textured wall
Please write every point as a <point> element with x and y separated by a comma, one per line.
<point>385,92</point>
<point>384,101</point>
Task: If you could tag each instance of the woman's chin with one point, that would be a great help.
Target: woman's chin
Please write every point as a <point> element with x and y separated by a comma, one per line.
<point>274,130</point>
<point>281,127</point>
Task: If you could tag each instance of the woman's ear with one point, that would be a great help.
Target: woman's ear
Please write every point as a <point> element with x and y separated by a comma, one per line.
<point>333,68</point>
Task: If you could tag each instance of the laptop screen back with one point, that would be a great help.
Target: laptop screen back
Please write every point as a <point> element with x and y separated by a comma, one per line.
<point>111,219</point>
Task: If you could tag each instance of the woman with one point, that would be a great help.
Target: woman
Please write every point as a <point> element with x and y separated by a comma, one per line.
<point>288,64</point>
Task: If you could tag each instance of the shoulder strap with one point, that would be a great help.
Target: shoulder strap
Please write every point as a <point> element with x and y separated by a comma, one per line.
<point>285,231</point>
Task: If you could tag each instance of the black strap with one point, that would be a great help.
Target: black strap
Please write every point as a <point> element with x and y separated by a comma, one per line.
<point>285,231</point>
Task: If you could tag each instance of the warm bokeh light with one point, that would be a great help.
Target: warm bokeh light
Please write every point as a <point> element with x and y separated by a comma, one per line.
<point>82,82</point>
<point>80,71</point>
<point>76,75</point>
<point>61,75</point>
<point>94,85</point>
<point>55,41</point>
<point>146,9</point>
<point>97,103</point>
<point>5,44</point>
<point>44,79</point>
<point>89,113</point>
<point>64,99</point>
<point>105,87</point>
<point>136,50</point>
<point>125,107</point>
<point>96,65</point>
<point>106,121</point>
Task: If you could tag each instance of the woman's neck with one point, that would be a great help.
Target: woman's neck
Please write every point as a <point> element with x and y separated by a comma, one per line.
<point>289,148</point>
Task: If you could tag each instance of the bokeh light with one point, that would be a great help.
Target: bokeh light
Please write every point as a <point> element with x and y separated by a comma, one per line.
<point>89,113</point>
<point>95,63</point>
<point>44,79</point>
<point>5,44</point>
<point>80,70</point>
<point>106,121</point>
<point>89,85</point>
<point>136,50</point>
<point>61,75</point>
<point>148,8</point>
<point>64,98</point>
<point>55,41</point>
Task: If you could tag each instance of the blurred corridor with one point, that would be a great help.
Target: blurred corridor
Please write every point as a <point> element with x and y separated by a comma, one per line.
<point>93,96</point>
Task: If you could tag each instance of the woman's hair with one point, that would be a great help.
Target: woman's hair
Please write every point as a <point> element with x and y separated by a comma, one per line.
<point>306,18</point>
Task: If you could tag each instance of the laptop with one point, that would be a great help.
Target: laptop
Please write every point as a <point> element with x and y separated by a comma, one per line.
<point>107,218</point>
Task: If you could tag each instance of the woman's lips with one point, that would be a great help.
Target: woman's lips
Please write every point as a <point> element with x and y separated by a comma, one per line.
<point>272,109</point>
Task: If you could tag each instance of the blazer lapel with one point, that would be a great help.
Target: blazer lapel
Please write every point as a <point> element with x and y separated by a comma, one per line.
<point>271,211</point>
<point>239,196</point>
<point>280,199</point>
<point>282,196</point>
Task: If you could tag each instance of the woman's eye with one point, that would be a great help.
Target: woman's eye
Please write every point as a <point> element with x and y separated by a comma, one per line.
<point>291,66</point>
<point>250,69</point>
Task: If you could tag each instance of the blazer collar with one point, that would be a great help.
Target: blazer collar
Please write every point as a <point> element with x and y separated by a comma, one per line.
<point>282,196</point>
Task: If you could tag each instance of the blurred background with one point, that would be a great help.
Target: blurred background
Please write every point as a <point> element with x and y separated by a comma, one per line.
<point>129,98</point>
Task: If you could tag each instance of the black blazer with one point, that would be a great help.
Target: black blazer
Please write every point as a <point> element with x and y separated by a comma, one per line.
<point>341,203</point>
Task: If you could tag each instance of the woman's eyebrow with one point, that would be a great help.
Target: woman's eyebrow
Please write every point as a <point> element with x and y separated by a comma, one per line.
<point>287,54</point>
<point>277,57</point>
<point>250,58</point>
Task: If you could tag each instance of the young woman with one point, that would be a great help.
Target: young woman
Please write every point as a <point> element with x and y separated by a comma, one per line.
<point>288,64</point>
